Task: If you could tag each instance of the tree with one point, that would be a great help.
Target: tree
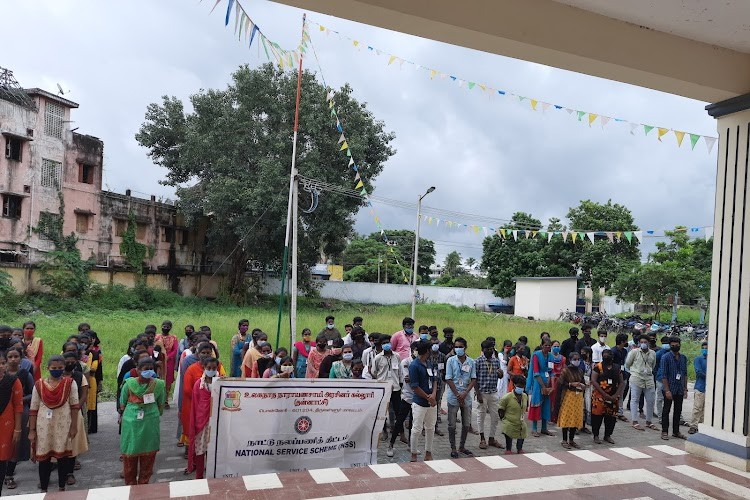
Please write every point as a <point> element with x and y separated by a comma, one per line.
<point>505,258</point>
<point>600,263</point>
<point>471,262</point>
<point>361,258</point>
<point>452,265</point>
<point>402,241</point>
<point>235,146</point>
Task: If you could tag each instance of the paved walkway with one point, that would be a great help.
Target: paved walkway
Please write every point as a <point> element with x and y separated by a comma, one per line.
<point>101,467</point>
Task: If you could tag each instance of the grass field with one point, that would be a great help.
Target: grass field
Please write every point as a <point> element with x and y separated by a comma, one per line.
<point>117,327</point>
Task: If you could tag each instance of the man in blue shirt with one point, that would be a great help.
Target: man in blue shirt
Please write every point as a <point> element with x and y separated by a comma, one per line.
<point>460,375</point>
<point>424,404</point>
<point>657,376</point>
<point>701,367</point>
<point>673,372</point>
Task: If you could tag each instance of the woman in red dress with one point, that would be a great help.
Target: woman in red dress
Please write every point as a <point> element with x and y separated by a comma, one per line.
<point>34,348</point>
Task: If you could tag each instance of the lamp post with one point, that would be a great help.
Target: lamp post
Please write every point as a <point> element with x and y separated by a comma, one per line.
<point>416,252</point>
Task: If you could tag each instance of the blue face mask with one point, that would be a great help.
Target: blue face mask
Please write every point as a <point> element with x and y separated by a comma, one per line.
<point>409,330</point>
<point>348,356</point>
<point>424,336</point>
<point>435,348</point>
<point>148,374</point>
<point>555,350</point>
<point>665,346</point>
<point>56,373</point>
<point>277,360</point>
<point>704,352</point>
<point>387,347</point>
<point>460,351</point>
<point>518,390</point>
<point>512,352</point>
<point>575,362</point>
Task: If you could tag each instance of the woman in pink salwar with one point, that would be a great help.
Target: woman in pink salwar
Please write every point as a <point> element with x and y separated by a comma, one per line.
<point>200,413</point>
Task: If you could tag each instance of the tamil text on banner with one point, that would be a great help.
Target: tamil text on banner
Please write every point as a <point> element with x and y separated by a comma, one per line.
<point>272,425</point>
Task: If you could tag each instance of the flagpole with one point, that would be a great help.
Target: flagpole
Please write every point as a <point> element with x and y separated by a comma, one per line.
<point>291,220</point>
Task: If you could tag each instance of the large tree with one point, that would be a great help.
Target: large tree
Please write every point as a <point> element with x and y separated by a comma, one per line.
<point>394,252</point>
<point>234,149</point>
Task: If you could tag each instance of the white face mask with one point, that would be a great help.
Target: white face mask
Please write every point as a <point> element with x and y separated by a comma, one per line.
<point>210,373</point>
<point>603,340</point>
<point>287,369</point>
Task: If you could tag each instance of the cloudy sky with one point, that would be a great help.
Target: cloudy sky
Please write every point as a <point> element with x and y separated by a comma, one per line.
<point>489,157</point>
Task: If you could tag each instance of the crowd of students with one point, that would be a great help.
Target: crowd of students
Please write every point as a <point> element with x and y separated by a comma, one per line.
<point>47,414</point>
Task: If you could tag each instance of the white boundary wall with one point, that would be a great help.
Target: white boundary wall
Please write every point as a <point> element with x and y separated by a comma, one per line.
<point>390,293</point>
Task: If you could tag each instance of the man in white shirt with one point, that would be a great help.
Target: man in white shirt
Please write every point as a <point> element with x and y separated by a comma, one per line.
<point>368,355</point>
<point>596,349</point>
<point>386,367</point>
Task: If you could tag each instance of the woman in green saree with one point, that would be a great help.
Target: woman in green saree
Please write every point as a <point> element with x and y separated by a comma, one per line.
<point>142,403</point>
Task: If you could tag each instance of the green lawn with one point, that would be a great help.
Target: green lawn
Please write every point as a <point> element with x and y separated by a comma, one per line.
<point>116,327</point>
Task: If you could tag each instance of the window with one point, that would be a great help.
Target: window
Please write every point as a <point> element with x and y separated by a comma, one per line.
<point>82,223</point>
<point>121,225</point>
<point>51,172</point>
<point>140,231</point>
<point>13,148</point>
<point>184,237</point>
<point>168,235</point>
<point>50,226</point>
<point>85,173</point>
<point>53,119</point>
<point>12,206</point>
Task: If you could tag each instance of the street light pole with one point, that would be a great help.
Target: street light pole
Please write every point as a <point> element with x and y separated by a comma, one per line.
<point>416,253</point>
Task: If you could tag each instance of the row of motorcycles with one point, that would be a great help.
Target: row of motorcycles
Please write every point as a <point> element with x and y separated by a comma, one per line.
<point>636,323</point>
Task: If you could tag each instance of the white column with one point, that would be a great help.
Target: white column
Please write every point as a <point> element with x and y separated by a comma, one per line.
<point>723,436</point>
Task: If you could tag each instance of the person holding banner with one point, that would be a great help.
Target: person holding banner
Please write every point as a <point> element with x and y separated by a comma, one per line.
<point>315,358</point>
<point>333,356</point>
<point>343,368</point>
<point>199,430</point>
<point>142,404</point>
<point>424,405</point>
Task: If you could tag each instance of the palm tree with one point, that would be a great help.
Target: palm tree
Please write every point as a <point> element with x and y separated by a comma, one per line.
<point>471,262</point>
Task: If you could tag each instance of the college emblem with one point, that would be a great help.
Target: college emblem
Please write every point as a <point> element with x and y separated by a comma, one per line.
<point>303,425</point>
<point>232,401</point>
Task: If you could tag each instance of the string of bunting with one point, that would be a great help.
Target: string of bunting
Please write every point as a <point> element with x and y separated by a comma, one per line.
<point>574,235</point>
<point>245,28</point>
<point>533,103</point>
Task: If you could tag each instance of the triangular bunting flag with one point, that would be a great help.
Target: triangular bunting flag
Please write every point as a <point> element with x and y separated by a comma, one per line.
<point>229,11</point>
<point>633,126</point>
<point>661,132</point>
<point>694,138</point>
<point>638,235</point>
<point>570,111</point>
<point>647,129</point>
<point>610,236</point>
<point>590,236</point>
<point>710,141</point>
<point>592,118</point>
<point>502,233</point>
<point>349,153</point>
<point>471,85</point>
<point>549,236</point>
<point>341,139</point>
<point>217,3</point>
<point>515,234</point>
<point>433,73</point>
<point>709,232</point>
<point>534,233</point>
<point>351,162</point>
<point>680,136</point>
<point>533,104</point>
<point>545,106</point>
<point>574,235</point>
<point>565,235</point>
<point>359,185</point>
<point>628,236</point>
<point>618,234</point>
<point>604,120</point>
<point>580,115</point>
<point>344,146</point>
<point>363,192</point>
<point>391,59</point>
<point>357,176</point>
<point>527,234</point>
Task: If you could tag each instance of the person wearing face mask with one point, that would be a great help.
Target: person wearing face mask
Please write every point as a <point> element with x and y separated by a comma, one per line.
<point>286,369</point>
<point>358,342</point>
<point>192,373</point>
<point>334,354</point>
<point>403,411</point>
<point>640,363</point>
<point>446,346</point>
<point>169,345</point>
<point>518,364</point>
<point>199,431</point>
<point>559,362</point>
<point>543,337</point>
<point>280,355</point>
<point>253,354</point>
<point>343,367</point>
<point>423,408</point>
<point>53,422</point>
<point>15,356</point>
<point>598,347</point>
<point>34,347</point>
<point>504,357</point>
<point>235,344</point>
<point>439,361</point>
<point>315,358</point>
<point>300,351</point>
<point>700,363</point>
<point>142,404</point>
<point>606,381</point>
<point>402,339</point>
<point>11,416</point>
<point>386,367</point>
<point>569,345</point>
<point>265,361</point>
<point>488,373</point>
<point>511,409</point>
<point>80,443</point>
<point>569,401</point>
<point>539,387</point>
<point>657,375</point>
<point>461,377</point>
<point>673,372</point>
<point>329,331</point>
<point>619,354</point>
<point>368,355</point>
<point>5,334</point>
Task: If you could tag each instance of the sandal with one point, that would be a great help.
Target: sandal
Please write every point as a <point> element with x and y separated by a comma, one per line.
<point>638,427</point>
<point>652,426</point>
<point>565,445</point>
<point>71,480</point>
<point>454,454</point>
<point>679,435</point>
<point>466,452</point>
<point>665,436</point>
<point>622,418</point>
<point>548,433</point>
<point>597,440</point>
<point>573,444</point>
<point>77,466</point>
<point>609,440</point>
<point>535,434</point>
<point>10,483</point>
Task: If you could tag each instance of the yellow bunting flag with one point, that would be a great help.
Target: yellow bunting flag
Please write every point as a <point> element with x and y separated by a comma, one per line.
<point>680,136</point>
<point>662,132</point>
<point>344,146</point>
<point>592,118</point>
<point>433,73</point>
<point>573,235</point>
<point>359,185</point>
<point>391,59</point>
<point>533,104</point>
<point>502,233</point>
<point>322,28</point>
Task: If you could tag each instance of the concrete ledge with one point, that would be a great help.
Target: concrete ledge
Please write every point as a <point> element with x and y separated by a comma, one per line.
<point>710,448</point>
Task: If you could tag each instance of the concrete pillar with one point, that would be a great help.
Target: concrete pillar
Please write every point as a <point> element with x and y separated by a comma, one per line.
<point>723,436</point>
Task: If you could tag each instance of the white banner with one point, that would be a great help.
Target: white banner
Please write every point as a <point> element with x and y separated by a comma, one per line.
<point>272,425</point>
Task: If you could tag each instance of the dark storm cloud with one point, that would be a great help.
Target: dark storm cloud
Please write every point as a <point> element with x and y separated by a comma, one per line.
<point>485,156</point>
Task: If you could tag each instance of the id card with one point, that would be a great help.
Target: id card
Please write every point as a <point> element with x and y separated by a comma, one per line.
<point>609,381</point>
<point>550,365</point>
<point>678,376</point>
<point>330,342</point>
<point>49,413</point>
<point>139,415</point>
<point>466,368</point>
<point>441,366</point>
<point>149,398</point>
